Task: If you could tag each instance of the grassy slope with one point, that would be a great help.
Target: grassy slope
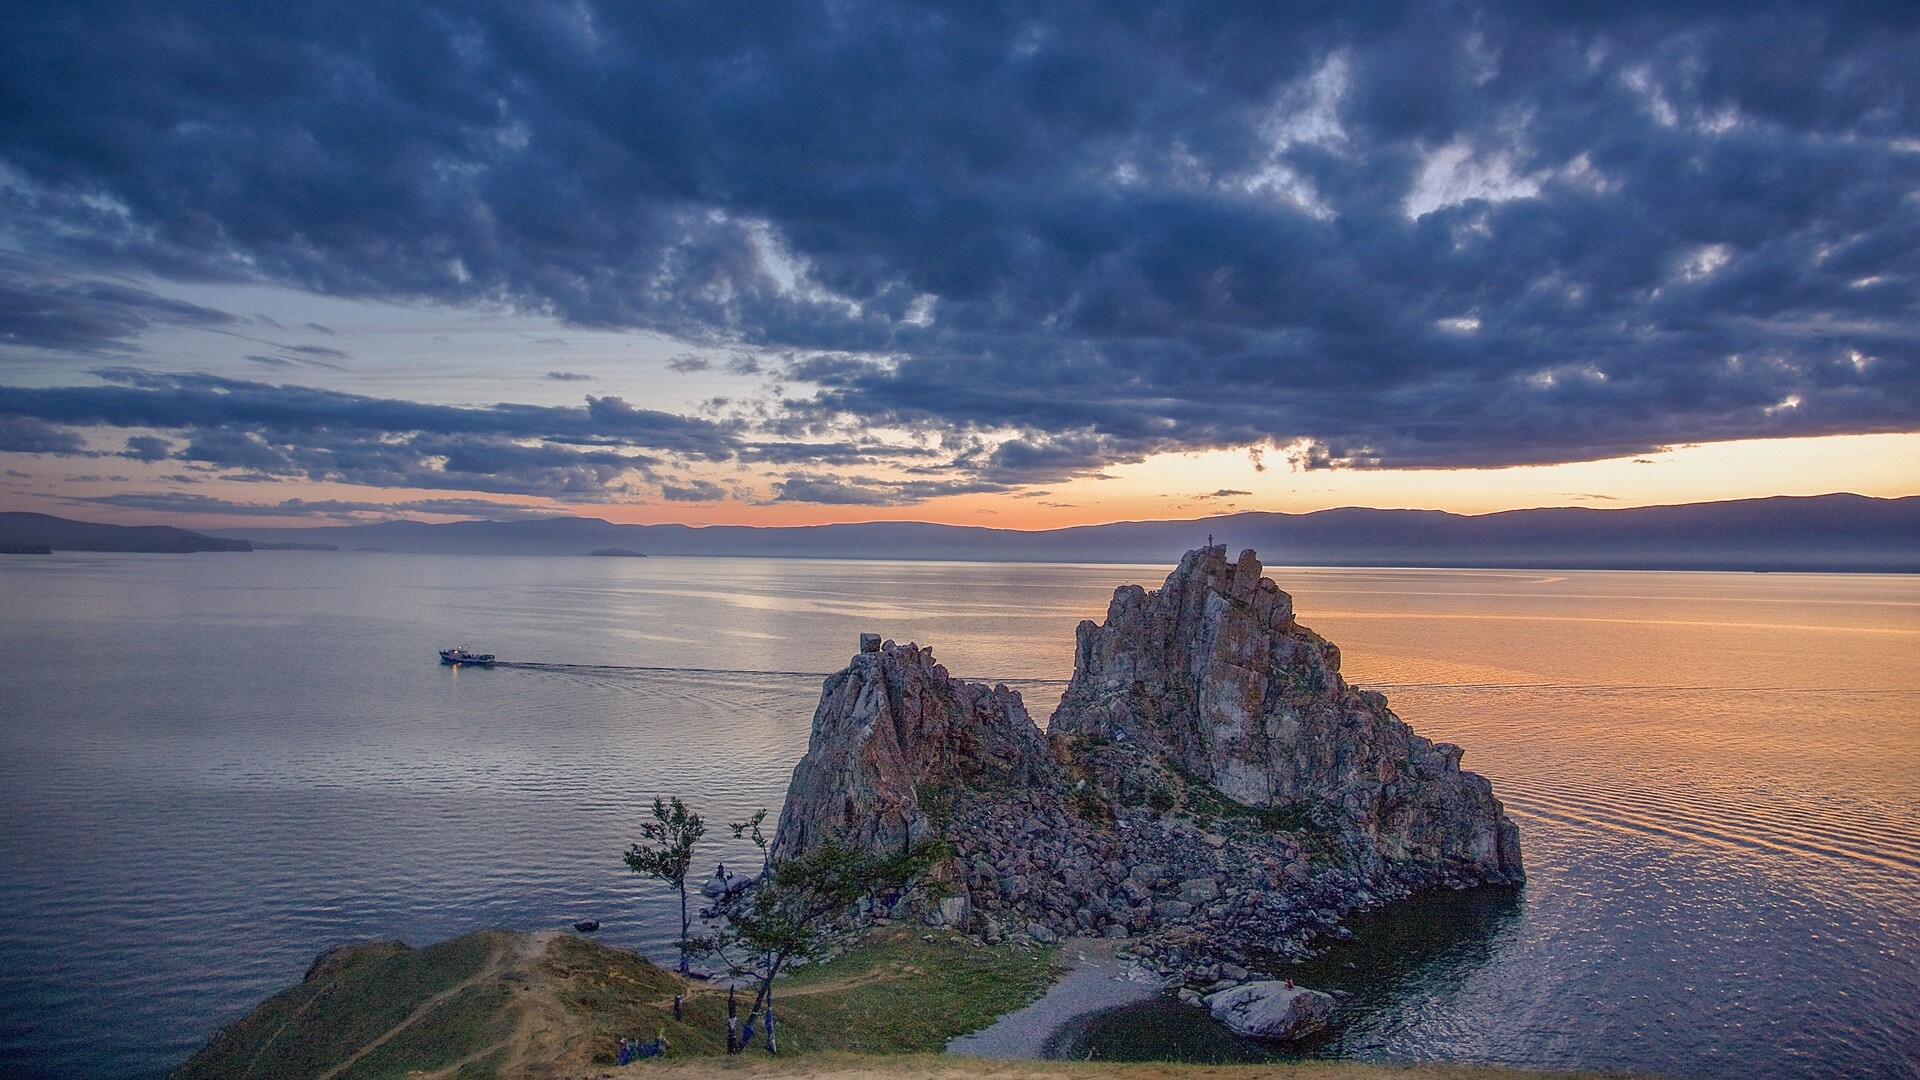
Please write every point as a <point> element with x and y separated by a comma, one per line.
<point>504,1005</point>
<point>359,997</point>
<point>905,992</point>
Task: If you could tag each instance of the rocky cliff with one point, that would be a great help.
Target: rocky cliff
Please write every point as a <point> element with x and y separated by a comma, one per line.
<point>1211,671</point>
<point>1209,782</point>
<point>893,729</point>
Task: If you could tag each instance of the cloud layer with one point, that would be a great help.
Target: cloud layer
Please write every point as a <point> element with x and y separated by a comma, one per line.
<point>1058,236</point>
<point>263,431</point>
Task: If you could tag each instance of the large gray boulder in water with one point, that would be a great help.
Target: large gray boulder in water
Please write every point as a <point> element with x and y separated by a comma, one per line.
<point>891,726</point>
<point>1212,672</point>
<point>1272,1010</point>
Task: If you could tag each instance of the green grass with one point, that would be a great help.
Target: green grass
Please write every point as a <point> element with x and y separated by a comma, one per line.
<point>457,1027</point>
<point>618,995</point>
<point>356,998</point>
<point>897,993</point>
<point>900,991</point>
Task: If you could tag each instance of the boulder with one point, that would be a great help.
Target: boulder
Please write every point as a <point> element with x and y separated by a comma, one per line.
<point>954,911</point>
<point>1173,910</point>
<point>1272,1010</point>
<point>1199,891</point>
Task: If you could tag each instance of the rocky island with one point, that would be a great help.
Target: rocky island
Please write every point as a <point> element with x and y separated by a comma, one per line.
<point>1210,793</point>
<point>1210,785</point>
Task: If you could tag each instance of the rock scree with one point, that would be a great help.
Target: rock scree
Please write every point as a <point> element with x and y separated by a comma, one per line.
<point>1209,786</point>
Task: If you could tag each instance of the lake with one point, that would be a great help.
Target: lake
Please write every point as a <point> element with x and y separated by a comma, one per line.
<point>214,766</point>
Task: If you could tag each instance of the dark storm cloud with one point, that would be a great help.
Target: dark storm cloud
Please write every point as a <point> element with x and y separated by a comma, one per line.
<point>147,448</point>
<point>1417,235</point>
<point>337,509</point>
<point>833,491</point>
<point>695,491</point>
<point>26,435</point>
<point>865,452</point>
<point>870,491</point>
<point>300,432</point>
<point>135,398</point>
<point>47,309</point>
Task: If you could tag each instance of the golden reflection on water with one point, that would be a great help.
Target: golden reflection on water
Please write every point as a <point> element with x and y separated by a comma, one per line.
<point>1715,774</point>
<point>1755,714</point>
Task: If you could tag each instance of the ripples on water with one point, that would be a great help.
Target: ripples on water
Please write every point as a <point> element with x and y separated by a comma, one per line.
<point>213,767</point>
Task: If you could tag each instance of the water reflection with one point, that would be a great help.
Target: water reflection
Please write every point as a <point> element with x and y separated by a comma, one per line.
<point>1412,950</point>
<point>1721,824</point>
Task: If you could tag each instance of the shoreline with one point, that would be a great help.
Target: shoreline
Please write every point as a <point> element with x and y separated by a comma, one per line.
<point>1093,982</point>
<point>518,1005</point>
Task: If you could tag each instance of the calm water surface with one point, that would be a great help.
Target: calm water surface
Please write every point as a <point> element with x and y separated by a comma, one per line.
<point>212,767</point>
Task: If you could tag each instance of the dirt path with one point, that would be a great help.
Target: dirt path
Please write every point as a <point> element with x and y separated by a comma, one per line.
<point>490,970</point>
<point>541,1021</point>
<point>544,1022</point>
<point>1097,981</point>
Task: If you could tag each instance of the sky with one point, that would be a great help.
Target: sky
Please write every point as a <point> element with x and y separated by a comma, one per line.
<point>1021,265</point>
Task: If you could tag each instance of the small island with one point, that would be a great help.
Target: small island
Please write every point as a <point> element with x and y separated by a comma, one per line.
<point>619,553</point>
<point>1209,802</point>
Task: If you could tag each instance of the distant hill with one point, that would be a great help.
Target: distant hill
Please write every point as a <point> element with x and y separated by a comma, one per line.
<point>19,531</point>
<point>1819,533</point>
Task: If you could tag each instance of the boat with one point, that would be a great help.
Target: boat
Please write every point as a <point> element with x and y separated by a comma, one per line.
<point>459,655</point>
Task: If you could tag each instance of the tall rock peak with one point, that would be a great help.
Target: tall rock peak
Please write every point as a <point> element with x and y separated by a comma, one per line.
<point>891,726</point>
<point>1212,672</point>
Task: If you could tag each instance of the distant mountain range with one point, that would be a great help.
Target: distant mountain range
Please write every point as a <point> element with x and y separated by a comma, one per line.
<point>38,533</point>
<point>1821,533</point>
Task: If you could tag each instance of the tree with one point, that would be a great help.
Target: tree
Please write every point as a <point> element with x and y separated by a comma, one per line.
<point>788,914</point>
<point>750,830</point>
<point>673,832</point>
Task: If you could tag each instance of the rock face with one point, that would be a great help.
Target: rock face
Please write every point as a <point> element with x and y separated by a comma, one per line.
<point>1212,672</point>
<point>1271,1010</point>
<point>895,726</point>
<point>1210,785</point>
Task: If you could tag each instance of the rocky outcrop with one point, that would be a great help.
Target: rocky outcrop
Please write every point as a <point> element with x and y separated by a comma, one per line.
<point>1210,785</point>
<point>1272,1010</point>
<point>1211,672</point>
<point>893,729</point>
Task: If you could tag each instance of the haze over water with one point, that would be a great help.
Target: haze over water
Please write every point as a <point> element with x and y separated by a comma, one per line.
<point>212,767</point>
